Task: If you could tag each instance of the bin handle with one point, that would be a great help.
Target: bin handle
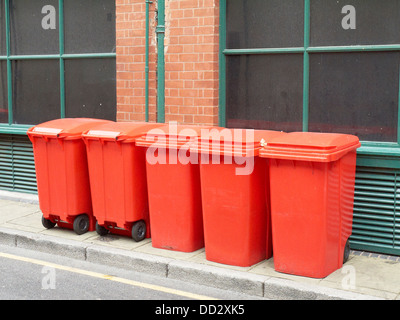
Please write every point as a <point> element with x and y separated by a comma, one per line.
<point>41,131</point>
<point>48,134</point>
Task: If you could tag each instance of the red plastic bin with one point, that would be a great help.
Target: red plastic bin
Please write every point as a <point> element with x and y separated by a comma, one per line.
<point>117,171</point>
<point>312,177</point>
<point>174,188</point>
<point>235,192</point>
<point>62,173</point>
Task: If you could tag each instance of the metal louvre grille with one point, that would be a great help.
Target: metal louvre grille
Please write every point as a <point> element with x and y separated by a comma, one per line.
<point>376,220</point>
<point>17,167</point>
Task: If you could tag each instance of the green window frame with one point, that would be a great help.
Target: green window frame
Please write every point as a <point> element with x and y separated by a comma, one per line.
<point>371,151</point>
<point>12,128</point>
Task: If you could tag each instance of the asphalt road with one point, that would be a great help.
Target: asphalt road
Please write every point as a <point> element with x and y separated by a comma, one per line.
<point>29,275</point>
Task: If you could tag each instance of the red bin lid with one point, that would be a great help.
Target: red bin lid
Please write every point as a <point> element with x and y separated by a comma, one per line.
<point>310,146</point>
<point>234,142</point>
<point>120,131</point>
<point>68,128</point>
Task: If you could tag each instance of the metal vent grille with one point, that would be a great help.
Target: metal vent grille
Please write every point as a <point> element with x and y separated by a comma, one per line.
<point>17,167</point>
<point>376,220</point>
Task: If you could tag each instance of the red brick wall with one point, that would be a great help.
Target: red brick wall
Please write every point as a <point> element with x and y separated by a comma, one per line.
<point>191,61</point>
<point>130,42</point>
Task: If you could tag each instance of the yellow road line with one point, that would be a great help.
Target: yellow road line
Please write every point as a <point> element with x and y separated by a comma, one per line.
<point>108,277</point>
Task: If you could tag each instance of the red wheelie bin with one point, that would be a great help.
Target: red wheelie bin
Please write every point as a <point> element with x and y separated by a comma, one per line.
<point>62,173</point>
<point>312,177</point>
<point>234,187</point>
<point>117,171</point>
<point>174,188</point>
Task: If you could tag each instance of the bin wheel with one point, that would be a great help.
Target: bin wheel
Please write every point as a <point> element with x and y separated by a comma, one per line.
<point>139,230</point>
<point>101,230</point>
<point>81,224</point>
<point>346,253</point>
<point>48,224</point>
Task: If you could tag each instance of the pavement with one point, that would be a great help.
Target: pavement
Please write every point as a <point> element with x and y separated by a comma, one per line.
<point>364,276</point>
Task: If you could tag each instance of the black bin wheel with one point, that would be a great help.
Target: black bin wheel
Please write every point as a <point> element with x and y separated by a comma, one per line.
<point>81,224</point>
<point>48,224</point>
<point>139,230</point>
<point>102,231</point>
<point>346,252</point>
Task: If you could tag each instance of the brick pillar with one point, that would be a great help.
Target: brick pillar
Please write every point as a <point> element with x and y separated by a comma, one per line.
<point>130,39</point>
<point>191,61</point>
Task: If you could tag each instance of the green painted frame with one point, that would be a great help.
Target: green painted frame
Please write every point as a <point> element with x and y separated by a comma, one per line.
<point>160,31</point>
<point>11,128</point>
<point>383,154</point>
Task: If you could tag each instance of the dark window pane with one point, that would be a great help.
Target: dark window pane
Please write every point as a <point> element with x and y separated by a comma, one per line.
<point>355,93</point>
<point>36,91</point>
<point>3,93</point>
<point>91,88</point>
<point>377,22</point>
<point>3,50</point>
<point>264,23</point>
<point>264,91</point>
<point>31,30</point>
<point>89,26</point>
